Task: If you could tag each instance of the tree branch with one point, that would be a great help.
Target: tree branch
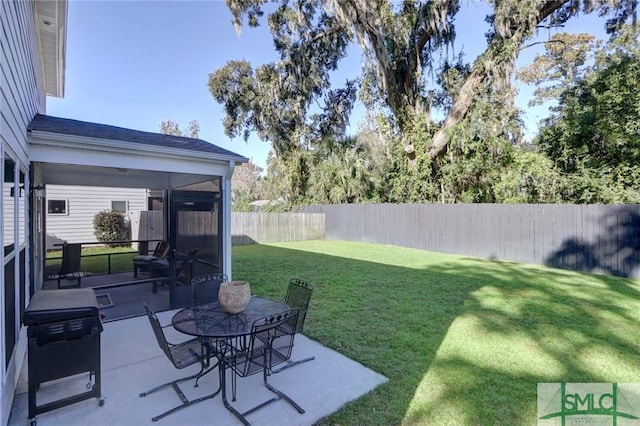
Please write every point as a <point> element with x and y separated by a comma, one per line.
<point>542,42</point>
<point>430,31</point>
<point>324,34</point>
<point>471,87</point>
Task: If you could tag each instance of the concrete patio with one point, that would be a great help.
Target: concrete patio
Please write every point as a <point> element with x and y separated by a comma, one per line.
<point>132,363</point>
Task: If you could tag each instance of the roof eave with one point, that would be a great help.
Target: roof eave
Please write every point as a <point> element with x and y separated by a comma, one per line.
<point>42,138</point>
<point>51,24</point>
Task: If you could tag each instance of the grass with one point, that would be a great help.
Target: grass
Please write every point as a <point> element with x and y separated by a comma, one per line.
<point>463,341</point>
<point>96,259</point>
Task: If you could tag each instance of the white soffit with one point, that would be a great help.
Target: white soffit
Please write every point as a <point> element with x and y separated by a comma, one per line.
<point>51,23</point>
<point>73,174</point>
<point>68,160</point>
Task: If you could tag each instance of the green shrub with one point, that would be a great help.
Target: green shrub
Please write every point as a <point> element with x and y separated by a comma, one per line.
<point>110,226</point>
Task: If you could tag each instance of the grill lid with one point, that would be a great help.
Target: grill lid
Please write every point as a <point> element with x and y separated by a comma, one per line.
<point>59,305</point>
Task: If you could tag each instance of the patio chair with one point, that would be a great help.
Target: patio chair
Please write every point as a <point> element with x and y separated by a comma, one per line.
<point>298,297</point>
<point>205,288</point>
<point>70,268</point>
<point>256,357</point>
<point>141,262</point>
<point>160,269</point>
<point>181,355</point>
<point>183,267</point>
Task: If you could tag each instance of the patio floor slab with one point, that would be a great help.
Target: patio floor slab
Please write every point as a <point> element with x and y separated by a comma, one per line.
<point>132,362</point>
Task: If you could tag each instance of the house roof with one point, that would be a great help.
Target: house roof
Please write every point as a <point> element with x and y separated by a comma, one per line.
<point>66,126</point>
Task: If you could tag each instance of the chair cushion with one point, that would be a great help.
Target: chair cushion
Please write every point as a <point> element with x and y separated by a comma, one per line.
<point>144,258</point>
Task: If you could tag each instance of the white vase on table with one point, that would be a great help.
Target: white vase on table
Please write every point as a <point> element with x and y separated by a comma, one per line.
<point>234,296</point>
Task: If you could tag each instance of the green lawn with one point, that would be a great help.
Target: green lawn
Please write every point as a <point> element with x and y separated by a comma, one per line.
<point>96,260</point>
<point>463,341</point>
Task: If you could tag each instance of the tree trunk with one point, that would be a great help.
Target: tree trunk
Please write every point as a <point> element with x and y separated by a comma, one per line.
<point>458,112</point>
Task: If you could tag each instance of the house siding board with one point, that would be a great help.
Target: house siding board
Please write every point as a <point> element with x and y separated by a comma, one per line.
<point>83,202</point>
<point>18,75</point>
<point>36,71</point>
<point>21,99</point>
<point>21,56</point>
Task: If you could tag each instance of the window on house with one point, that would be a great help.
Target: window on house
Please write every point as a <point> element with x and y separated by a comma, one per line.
<point>57,206</point>
<point>22,211</point>
<point>119,206</point>
<point>8,191</point>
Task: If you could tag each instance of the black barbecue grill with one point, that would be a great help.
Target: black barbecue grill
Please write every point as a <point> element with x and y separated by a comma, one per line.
<point>63,340</point>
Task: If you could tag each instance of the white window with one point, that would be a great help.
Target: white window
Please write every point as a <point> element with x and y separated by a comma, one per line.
<point>9,210</point>
<point>119,206</point>
<point>57,207</point>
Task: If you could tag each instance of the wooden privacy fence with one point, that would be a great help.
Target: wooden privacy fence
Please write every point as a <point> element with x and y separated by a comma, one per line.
<point>246,228</point>
<point>146,225</point>
<point>590,238</point>
<point>251,228</point>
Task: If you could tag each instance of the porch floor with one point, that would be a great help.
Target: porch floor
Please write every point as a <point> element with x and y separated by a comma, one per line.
<point>126,300</point>
<point>132,363</point>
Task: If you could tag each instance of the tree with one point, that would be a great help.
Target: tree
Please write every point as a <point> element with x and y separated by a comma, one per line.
<point>343,173</point>
<point>275,182</point>
<point>246,183</point>
<point>513,23</point>
<point>564,61</point>
<point>531,178</point>
<point>402,46</point>
<point>290,102</point>
<point>595,134</point>
<point>171,127</point>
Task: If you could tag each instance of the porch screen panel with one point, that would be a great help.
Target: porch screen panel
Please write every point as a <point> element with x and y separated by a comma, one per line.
<point>199,224</point>
<point>201,228</point>
<point>23,280</point>
<point>9,310</point>
<point>195,227</point>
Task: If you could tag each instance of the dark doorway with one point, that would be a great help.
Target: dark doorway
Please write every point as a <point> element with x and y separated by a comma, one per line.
<point>195,236</point>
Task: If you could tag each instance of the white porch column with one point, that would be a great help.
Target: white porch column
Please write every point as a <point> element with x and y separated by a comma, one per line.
<point>226,220</point>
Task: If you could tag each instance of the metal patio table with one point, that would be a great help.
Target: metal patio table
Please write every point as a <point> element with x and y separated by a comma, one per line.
<point>210,321</point>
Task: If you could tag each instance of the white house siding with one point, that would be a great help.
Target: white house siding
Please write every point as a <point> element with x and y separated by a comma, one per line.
<point>21,97</point>
<point>83,202</point>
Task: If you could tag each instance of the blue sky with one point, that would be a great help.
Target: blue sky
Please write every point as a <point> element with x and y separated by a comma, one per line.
<point>136,63</point>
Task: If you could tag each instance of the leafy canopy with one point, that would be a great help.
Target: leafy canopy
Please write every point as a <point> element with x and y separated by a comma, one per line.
<point>595,133</point>
<point>294,104</point>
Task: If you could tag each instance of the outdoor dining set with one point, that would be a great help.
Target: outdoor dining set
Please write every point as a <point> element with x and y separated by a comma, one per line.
<point>255,337</point>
